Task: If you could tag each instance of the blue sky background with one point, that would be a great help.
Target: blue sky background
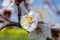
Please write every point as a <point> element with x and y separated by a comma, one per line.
<point>55,18</point>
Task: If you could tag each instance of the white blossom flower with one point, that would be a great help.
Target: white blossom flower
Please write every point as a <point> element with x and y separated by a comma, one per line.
<point>44,15</point>
<point>29,1</point>
<point>33,22</point>
<point>38,15</point>
<point>8,3</point>
<point>46,32</point>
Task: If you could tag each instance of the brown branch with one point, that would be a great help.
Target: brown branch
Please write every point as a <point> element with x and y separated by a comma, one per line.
<point>19,14</point>
<point>8,25</point>
<point>7,22</point>
<point>3,26</point>
<point>4,23</point>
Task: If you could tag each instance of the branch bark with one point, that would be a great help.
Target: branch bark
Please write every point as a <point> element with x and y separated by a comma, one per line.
<point>6,22</point>
<point>19,14</point>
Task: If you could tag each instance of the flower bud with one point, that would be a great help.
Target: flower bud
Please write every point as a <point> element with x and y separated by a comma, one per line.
<point>7,13</point>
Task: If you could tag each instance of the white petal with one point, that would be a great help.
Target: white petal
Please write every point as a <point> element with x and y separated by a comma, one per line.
<point>29,1</point>
<point>32,35</point>
<point>8,3</point>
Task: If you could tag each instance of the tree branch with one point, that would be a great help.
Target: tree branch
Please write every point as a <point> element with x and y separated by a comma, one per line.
<point>19,14</point>
<point>7,22</point>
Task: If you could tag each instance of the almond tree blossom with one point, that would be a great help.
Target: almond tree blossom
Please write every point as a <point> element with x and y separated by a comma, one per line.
<point>8,3</point>
<point>38,16</point>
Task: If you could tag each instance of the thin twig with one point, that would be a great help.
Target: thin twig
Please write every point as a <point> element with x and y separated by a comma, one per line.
<point>6,24</point>
<point>19,14</point>
<point>6,21</point>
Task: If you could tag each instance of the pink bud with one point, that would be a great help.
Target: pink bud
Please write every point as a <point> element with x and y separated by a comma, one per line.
<point>7,13</point>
